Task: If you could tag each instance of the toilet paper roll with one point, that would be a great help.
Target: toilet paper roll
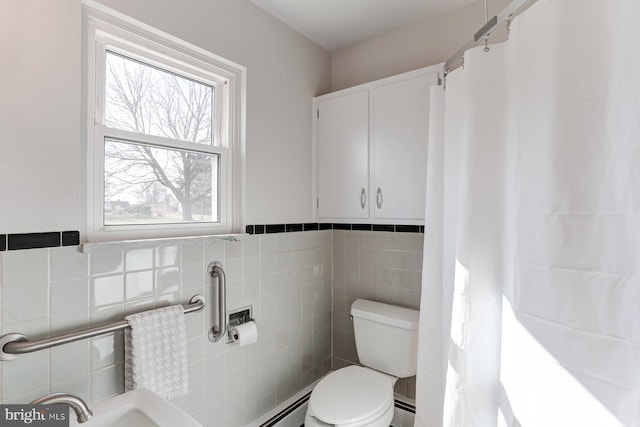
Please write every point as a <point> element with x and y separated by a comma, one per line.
<point>245,334</point>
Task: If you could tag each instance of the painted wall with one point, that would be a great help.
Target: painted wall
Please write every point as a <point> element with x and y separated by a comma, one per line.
<point>40,150</point>
<point>421,44</point>
<point>41,161</point>
<point>42,188</point>
<point>42,183</point>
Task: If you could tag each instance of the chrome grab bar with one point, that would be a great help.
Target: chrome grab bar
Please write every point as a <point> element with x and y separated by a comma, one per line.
<point>13,344</point>
<point>220,329</point>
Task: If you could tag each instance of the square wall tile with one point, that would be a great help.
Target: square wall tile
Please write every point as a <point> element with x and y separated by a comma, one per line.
<point>108,261</point>
<point>167,256</point>
<point>233,250</point>
<point>78,386</point>
<point>23,302</point>
<point>22,267</point>
<point>33,329</point>
<point>70,321</point>
<point>107,290</point>
<point>214,251</point>
<point>107,382</point>
<point>139,284</point>
<point>251,246</point>
<point>70,360</point>
<point>69,295</point>
<point>106,350</point>
<point>139,259</point>
<point>68,263</point>
<point>233,268</point>
<point>24,278</point>
<point>191,254</point>
<point>167,280</point>
<point>25,374</point>
<point>193,277</point>
<point>107,313</point>
<point>138,305</point>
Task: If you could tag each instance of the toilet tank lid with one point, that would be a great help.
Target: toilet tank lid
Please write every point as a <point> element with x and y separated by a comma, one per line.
<point>387,314</point>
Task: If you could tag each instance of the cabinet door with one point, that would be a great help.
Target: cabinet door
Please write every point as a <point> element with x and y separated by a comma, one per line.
<point>343,156</point>
<point>400,131</point>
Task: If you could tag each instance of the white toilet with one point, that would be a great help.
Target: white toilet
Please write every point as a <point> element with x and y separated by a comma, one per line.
<point>362,396</point>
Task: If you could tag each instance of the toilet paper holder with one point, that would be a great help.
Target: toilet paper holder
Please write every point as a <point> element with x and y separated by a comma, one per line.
<point>238,317</point>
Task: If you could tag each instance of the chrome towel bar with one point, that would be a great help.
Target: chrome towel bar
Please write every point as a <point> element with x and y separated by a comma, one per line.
<point>14,344</point>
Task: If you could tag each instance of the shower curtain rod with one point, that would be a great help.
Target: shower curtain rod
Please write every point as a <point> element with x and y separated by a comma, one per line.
<point>483,33</point>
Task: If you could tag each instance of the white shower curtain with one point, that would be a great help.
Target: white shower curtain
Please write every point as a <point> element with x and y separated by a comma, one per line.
<point>530,309</point>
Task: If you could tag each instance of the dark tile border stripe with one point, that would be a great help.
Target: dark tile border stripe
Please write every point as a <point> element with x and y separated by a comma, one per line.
<point>275,228</point>
<point>54,239</point>
<point>289,228</point>
<point>33,240</point>
<point>293,227</point>
<point>271,422</point>
<point>70,238</point>
<point>286,411</point>
<point>407,228</point>
<point>405,406</point>
<point>341,226</point>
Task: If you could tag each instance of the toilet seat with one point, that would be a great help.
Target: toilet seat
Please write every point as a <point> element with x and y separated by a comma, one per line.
<point>352,396</point>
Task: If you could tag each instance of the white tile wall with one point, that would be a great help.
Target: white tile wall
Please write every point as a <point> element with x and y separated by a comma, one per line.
<point>301,286</point>
<point>381,266</point>
<point>286,277</point>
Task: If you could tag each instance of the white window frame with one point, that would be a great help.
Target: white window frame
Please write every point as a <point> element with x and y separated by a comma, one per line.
<point>107,30</point>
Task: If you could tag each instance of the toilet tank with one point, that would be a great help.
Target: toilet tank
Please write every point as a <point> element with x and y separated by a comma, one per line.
<point>386,337</point>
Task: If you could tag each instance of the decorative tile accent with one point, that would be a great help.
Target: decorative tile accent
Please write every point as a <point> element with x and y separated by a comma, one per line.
<point>287,228</point>
<point>408,228</point>
<point>33,240</point>
<point>275,228</point>
<point>70,238</point>
<point>342,226</point>
<point>362,227</point>
<point>293,227</point>
<point>39,240</point>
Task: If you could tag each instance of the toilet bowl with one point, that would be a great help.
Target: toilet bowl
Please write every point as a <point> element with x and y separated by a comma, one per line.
<point>362,396</point>
<point>354,396</point>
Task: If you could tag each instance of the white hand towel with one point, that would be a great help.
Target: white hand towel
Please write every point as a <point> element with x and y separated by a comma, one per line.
<point>156,352</point>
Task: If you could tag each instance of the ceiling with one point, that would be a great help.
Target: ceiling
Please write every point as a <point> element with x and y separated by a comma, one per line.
<point>336,24</point>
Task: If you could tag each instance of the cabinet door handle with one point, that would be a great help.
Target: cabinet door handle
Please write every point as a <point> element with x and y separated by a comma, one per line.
<point>363,198</point>
<point>379,198</point>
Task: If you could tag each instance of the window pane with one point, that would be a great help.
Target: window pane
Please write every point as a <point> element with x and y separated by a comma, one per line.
<point>149,185</point>
<point>145,99</point>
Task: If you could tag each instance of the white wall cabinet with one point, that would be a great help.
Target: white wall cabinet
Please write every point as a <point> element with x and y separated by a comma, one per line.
<point>343,156</point>
<point>370,147</point>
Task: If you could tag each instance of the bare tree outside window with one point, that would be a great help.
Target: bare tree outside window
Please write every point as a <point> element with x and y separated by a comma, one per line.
<point>148,184</point>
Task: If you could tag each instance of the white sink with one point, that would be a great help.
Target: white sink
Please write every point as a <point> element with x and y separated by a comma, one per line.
<point>137,408</point>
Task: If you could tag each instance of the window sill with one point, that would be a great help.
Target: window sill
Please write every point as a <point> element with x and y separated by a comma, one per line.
<point>92,247</point>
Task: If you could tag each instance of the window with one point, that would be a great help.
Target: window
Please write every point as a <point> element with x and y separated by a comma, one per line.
<point>164,134</point>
